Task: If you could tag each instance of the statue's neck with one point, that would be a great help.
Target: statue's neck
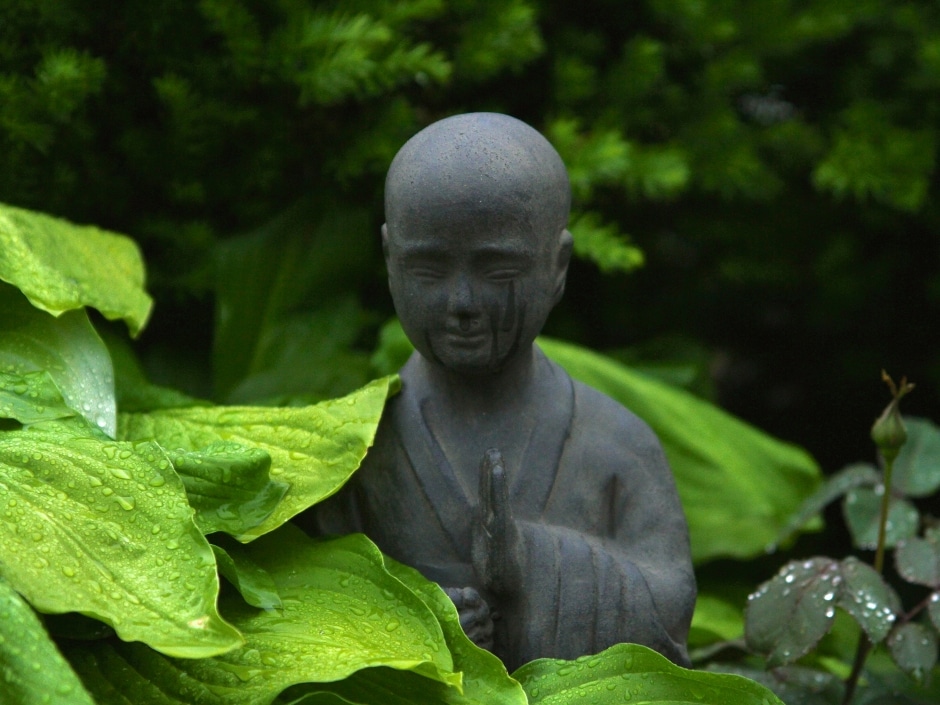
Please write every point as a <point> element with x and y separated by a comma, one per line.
<point>501,391</point>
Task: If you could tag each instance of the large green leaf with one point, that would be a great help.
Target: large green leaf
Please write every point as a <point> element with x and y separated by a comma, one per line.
<point>314,448</point>
<point>715,620</point>
<point>275,291</point>
<point>104,529</point>
<point>342,612</point>
<point>630,673</point>
<point>253,582</point>
<point>31,397</point>
<point>61,266</point>
<point>485,679</point>
<point>228,485</point>
<point>32,671</point>
<point>738,485</point>
<point>68,348</point>
<point>134,391</point>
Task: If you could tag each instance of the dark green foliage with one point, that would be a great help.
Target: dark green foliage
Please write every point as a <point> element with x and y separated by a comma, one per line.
<point>772,161</point>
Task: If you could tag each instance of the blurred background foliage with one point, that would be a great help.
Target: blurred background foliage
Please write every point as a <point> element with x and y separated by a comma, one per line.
<point>754,183</point>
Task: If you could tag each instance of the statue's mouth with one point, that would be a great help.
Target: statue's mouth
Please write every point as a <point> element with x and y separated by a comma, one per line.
<point>465,339</point>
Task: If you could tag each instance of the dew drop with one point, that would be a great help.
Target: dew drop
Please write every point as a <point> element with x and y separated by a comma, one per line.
<point>127,503</point>
<point>392,625</point>
<point>120,473</point>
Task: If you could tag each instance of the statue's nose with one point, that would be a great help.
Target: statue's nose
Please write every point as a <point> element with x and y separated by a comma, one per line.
<point>462,299</point>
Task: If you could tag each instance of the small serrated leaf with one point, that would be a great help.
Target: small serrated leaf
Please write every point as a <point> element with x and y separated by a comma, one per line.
<point>868,598</point>
<point>857,475</point>
<point>862,510</point>
<point>917,467</point>
<point>933,609</point>
<point>918,561</point>
<point>789,614</point>
<point>914,649</point>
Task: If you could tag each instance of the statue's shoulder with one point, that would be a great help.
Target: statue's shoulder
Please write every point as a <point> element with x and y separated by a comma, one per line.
<point>604,427</point>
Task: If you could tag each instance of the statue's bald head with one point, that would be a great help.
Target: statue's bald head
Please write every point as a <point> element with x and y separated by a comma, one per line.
<point>481,167</point>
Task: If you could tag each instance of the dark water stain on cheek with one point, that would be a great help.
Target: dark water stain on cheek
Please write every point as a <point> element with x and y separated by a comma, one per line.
<point>504,319</point>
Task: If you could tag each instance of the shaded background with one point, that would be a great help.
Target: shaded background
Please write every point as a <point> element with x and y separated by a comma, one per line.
<point>771,165</point>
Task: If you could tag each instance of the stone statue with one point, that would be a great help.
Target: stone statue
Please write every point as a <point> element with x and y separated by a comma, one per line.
<point>545,509</point>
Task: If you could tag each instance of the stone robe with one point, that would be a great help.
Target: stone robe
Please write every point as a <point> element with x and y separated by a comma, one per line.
<point>605,540</point>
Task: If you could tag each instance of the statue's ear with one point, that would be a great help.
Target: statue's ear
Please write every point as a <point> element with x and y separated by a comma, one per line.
<point>565,245</point>
<point>385,241</point>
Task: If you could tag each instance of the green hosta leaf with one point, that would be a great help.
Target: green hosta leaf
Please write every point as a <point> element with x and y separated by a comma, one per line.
<point>310,356</point>
<point>314,448</point>
<point>322,698</point>
<point>789,614</point>
<point>917,467</point>
<point>31,397</point>
<point>343,612</point>
<point>104,529</point>
<point>67,348</point>
<point>269,279</point>
<point>251,580</point>
<point>228,485</point>
<point>868,598</point>
<point>629,673</point>
<point>914,648</point>
<point>738,486</point>
<point>134,391</point>
<point>862,511</point>
<point>485,678</point>
<point>60,266</point>
<point>32,671</point>
<point>858,475</point>
<point>918,560</point>
<point>794,685</point>
<point>715,620</point>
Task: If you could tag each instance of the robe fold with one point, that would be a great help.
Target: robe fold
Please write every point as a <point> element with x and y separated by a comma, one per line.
<point>605,542</point>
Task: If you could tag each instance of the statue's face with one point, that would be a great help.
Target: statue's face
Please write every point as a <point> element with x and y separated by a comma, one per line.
<point>470,297</point>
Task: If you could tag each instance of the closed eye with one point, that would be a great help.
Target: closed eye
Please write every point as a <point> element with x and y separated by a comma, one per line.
<point>425,272</point>
<point>504,274</point>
